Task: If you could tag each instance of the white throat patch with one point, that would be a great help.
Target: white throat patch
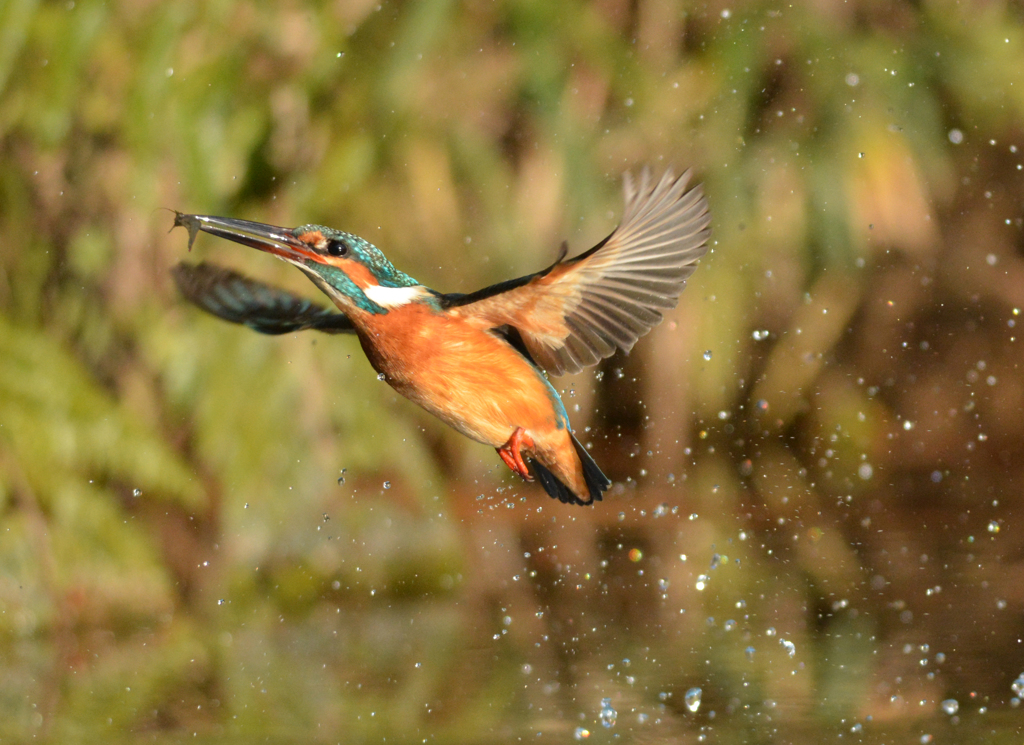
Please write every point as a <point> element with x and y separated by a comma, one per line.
<point>393,297</point>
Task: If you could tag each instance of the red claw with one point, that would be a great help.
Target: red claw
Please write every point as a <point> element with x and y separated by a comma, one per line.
<point>509,452</point>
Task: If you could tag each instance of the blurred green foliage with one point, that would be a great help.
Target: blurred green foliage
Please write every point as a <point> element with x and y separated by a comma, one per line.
<point>210,532</point>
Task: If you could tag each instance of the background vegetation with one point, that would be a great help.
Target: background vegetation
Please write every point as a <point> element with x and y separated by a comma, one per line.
<point>817,517</point>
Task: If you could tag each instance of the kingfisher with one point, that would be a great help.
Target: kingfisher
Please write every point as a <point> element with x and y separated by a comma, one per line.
<point>479,361</point>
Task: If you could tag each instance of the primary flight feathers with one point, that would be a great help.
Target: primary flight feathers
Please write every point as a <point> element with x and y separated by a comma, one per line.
<point>238,299</point>
<point>579,311</point>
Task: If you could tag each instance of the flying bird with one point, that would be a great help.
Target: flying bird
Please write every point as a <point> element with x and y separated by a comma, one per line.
<point>477,361</point>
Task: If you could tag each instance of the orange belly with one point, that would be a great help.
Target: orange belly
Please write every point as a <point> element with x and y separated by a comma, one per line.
<point>473,381</point>
<point>469,379</point>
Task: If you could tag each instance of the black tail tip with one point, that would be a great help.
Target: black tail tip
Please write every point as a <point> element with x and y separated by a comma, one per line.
<point>557,490</point>
<point>597,482</point>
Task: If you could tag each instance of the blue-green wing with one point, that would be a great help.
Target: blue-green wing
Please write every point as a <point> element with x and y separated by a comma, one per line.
<point>238,299</point>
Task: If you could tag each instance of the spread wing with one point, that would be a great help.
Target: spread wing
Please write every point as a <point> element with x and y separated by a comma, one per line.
<point>579,311</point>
<point>269,310</point>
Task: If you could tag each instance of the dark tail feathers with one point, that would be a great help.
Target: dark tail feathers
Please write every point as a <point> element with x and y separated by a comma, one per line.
<point>597,482</point>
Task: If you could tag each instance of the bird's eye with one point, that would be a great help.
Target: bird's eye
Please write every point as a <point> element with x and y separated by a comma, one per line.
<point>337,248</point>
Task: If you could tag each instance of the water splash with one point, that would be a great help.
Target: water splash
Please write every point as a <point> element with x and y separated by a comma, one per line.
<point>608,714</point>
<point>1017,686</point>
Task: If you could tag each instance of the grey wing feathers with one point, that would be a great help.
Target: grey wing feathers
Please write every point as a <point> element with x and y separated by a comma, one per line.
<point>624,283</point>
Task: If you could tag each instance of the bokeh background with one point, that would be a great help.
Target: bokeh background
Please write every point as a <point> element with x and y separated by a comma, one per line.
<point>816,530</point>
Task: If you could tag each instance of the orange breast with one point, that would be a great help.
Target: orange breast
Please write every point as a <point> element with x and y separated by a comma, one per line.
<point>472,380</point>
<point>467,377</point>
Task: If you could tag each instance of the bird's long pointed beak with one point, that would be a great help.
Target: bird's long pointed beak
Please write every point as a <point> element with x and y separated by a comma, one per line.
<point>274,240</point>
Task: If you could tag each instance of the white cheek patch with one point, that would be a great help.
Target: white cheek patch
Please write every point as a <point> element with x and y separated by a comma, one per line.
<point>393,297</point>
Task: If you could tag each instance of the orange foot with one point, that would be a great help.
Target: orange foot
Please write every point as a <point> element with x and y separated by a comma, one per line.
<point>509,452</point>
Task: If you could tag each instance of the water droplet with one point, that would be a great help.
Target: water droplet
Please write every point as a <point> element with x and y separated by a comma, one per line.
<point>581,733</point>
<point>608,714</point>
<point>635,555</point>
<point>1017,686</point>
<point>951,706</point>
<point>136,493</point>
<point>381,376</point>
<point>663,585</point>
<point>729,625</point>
<point>341,478</point>
<point>760,334</point>
<point>707,355</point>
<point>692,699</point>
<point>387,484</point>
<point>993,526</point>
<point>908,425</point>
<point>702,582</point>
<point>749,652</point>
<point>789,646</point>
<point>865,471</point>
